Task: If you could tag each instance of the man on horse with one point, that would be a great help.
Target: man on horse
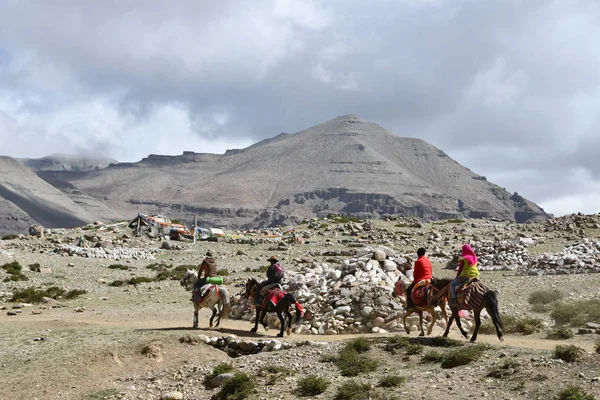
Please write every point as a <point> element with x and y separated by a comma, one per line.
<point>274,276</point>
<point>422,274</point>
<point>467,269</point>
<point>207,269</point>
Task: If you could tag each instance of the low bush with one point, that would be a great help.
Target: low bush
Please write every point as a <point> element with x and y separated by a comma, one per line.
<point>524,325</point>
<point>312,385</point>
<point>219,369</point>
<point>568,354</point>
<point>353,391</point>
<point>392,381</point>
<point>9,237</point>
<point>352,363</point>
<point>14,270</point>
<point>462,356</point>
<point>432,356</point>
<point>171,274</point>
<point>445,342</point>
<point>359,344</point>
<point>574,393</point>
<point>223,272</point>
<point>133,281</point>
<point>563,332</point>
<point>33,295</point>
<point>576,313</point>
<point>239,387</point>
<point>544,296</point>
<point>118,266</point>
<point>597,347</point>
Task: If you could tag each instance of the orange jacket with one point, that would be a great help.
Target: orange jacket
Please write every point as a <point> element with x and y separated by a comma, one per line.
<point>422,270</point>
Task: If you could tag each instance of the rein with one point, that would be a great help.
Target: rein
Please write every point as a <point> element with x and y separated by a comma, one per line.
<point>442,291</point>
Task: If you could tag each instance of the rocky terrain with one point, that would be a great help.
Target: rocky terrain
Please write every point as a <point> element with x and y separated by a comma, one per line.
<point>345,165</point>
<point>113,321</point>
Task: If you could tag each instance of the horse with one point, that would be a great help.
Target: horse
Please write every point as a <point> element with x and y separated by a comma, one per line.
<point>282,307</point>
<point>476,297</point>
<point>438,286</point>
<point>213,295</point>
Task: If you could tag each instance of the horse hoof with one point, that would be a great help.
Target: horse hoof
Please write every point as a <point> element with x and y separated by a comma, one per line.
<point>280,335</point>
<point>501,339</point>
<point>421,334</point>
<point>407,331</point>
<point>253,330</point>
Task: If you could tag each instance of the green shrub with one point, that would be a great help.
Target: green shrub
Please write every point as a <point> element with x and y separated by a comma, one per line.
<point>223,272</point>
<point>576,313</point>
<point>14,270</point>
<point>360,345</point>
<point>9,237</point>
<point>352,363</point>
<point>312,385</point>
<point>414,348</point>
<point>597,347</point>
<point>397,342</point>
<point>574,393</point>
<point>239,387</point>
<point>392,381</point>
<point>524,325</point>
<point>118,266</point>
<point>462,356</point>
<point>172,274</point>
<point>353,391</point>
<point>569,353</point>
<point>432,356</point>
<point>133,281</point>
<point>506,368</point>
<point>33,295</point>
<point>544,296</point>
<point>219,369</point>
<point>445,342</point>
<point>563,332</point>
<point>160,266</point>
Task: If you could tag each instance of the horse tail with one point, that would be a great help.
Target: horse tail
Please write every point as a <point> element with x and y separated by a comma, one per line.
<point>492,308</point>
<point>226,303</point>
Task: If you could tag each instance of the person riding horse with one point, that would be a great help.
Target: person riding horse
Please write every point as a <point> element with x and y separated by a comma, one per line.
<point>467,269</point>
<point>208,268</point>
<point>422,275</point>
<point>274,277</point>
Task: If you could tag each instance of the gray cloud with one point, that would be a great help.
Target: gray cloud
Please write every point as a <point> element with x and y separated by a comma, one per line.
<point>508,88</point>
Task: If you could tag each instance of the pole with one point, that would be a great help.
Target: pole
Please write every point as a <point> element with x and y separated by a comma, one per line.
<point>195,223</point>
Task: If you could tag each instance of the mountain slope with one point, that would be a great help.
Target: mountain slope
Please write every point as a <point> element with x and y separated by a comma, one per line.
<point>343,165</point>
<point>25,199</point>
<point>66,162</point>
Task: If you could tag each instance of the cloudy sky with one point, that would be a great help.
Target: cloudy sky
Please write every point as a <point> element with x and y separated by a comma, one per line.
<point>508,88</point>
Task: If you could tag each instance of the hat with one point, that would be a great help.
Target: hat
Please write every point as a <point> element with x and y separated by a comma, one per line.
<point>273,258</point>
<point>209,254</point>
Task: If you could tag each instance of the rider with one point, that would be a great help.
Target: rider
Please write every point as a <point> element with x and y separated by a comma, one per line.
<point>467,268</point>
<point>207,269</point>
<point>274,277</point>
<point>422,274</point>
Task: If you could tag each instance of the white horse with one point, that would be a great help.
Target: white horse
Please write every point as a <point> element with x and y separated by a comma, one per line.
<point>211,295</point>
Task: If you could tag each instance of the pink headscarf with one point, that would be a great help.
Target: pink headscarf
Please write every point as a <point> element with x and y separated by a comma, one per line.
<point>468,254</point>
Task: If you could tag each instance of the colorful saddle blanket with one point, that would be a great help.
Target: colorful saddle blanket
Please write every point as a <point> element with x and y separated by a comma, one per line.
<point>421,297</point>
<point>200,294</point>
<point>273,297</point>
<point>470,295</point>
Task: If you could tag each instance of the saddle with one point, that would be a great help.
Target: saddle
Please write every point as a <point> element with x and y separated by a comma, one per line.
<point>423,296</point>
<point>470,294</point>
<point>201,292</point>
<point>273,296</point>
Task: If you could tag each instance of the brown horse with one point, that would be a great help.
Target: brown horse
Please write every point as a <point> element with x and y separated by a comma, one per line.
<point>282,307</point>
<point>476,297</point>
<point>437,297</point>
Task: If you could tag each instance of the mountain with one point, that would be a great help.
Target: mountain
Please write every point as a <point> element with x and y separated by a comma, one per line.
<point>26,199</point>
<point>66,162</point>
<point>345,165</point>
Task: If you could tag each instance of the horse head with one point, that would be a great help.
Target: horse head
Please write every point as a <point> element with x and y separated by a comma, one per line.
<point>186,278</point>
<point>250,291</point>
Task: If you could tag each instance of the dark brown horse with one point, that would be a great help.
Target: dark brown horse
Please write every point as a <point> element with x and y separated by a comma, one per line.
<point>437,297</point>
<point>282,307</point>
<point>476,297</point>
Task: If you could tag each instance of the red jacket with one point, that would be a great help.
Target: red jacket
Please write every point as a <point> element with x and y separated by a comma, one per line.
<point>422,269</point>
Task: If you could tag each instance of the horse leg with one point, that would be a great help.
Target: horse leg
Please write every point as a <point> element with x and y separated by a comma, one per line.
<point>220,312</point>
<point>262,319</point>
<point>257,319</point>
<point>289,324</point>
<point>406,314</point>
<point>476,314</point>
<point>282,322</point>
<point>454,311</point>
<point>212,317</point>
<point>421,323</point>
<point>443,307</point>
<point>464,333</point>
<point>195,323</point>
<point>491,305</point>
<point>433,319</point>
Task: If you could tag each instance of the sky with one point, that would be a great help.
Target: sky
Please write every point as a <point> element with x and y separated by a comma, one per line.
<point>510,89</point>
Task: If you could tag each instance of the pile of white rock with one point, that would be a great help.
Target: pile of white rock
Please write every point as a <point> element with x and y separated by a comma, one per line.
<point>235,347</point>
<point>119,253</point>
<point>352,297</point>
<point>580,258</point>
<point>503,255</point>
